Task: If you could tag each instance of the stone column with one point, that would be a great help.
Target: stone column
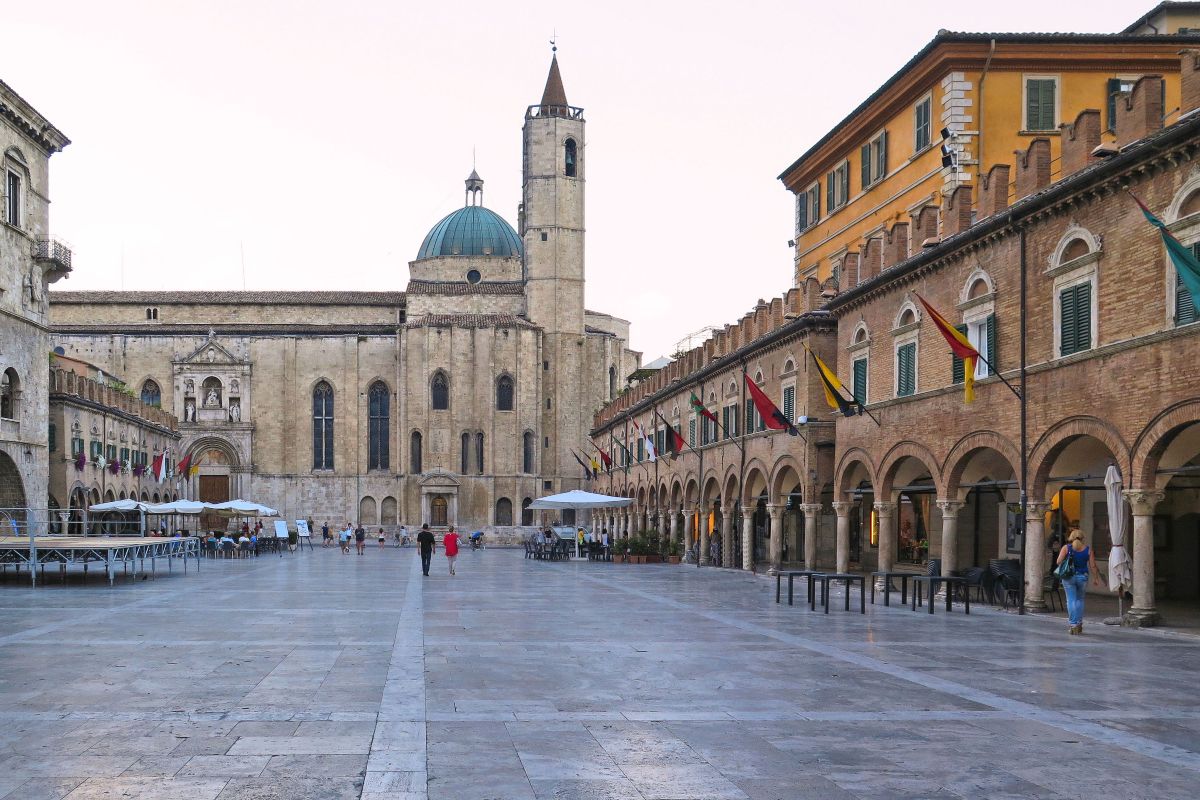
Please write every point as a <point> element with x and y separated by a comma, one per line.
<point>1035,555</point>
<point>748,539</point>
<point>689,532</point>
<point>886,513</point>
<point>842,508</point>
<point>775,511</point>
<point>673,524</point>
<point>949,509</point>
<point>812,519</point>
<point>1143,612</point>
<point>727,538</point>
<point>702,521</point>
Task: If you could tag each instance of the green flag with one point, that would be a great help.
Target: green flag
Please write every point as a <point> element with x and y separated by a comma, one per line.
<point>1181,256</point>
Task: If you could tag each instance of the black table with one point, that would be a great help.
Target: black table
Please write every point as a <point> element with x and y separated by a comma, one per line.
<point>791,576</point>
<point>933,581</point>
<point>849,579</point>
<point>887,586</point>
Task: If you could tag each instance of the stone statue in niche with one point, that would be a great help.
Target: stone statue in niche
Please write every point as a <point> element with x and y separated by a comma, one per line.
<point>211,355</point>
<point>189,410</point>
<point>235,387</point>
<point>235,411</point>
<point>212,399</point>
<point>189,387</point>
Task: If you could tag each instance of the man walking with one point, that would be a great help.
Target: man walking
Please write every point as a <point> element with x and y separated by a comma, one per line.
<point>360,539</point>
<point>425,540</point>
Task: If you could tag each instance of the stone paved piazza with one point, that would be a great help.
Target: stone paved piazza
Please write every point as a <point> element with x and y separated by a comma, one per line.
<point>319,675</point>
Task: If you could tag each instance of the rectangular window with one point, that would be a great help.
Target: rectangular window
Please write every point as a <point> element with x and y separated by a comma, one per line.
<point>789,403</point>
<point>641,449</point>
<point>1075,325</point>
<point>906,369</point>
<point>749,416</point>
<point>110,452</point>
<point>124,453</point>
<point>1185,304</point>
<point>704,431</point>
<point>692,432</point>
<point>874,160</point>
<point>808,207</point>
<point>860,380</point>
<point>52,438</point>
<point>76,446</point>
<point>12,193</point>
<point>922,126</point>
<point>96,450</point>
<point>837,187</point>
<point>982,336</point>
<point>1041,104</point>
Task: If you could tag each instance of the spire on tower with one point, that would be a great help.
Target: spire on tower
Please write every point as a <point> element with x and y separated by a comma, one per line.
<point>474,189</point>
<point>554,98</point>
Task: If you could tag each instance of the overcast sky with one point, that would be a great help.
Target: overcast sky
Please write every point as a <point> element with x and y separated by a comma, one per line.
<point>319,140</point>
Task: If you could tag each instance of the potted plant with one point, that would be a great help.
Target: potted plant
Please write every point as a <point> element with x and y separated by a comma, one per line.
<point>673,553</point>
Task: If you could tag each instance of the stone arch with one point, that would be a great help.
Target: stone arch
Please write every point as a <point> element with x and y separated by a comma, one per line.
<point>691,490</point>
<point>387,511</point>
<point>907,306</point>
<point>676,493</point>
<point>855,462</point>
<point>978,274</point>
<point>729,487</point>
<point>228,448</point>
<point>710,488</point>
<point>960,455</point>
<point>1182,204</point>
<point>1156,438</point>
<point>1051,443</point>
<point>862,334</point>
<point>756,481</point>
<point>892,465</point>
<point>789,363</point>
<point>367,511</point>
<point>12,488</point>
<point>785,474</point>
<point>1067,250</point>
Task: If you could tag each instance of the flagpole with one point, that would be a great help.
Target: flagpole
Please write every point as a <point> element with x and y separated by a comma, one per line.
<point>699,495</point>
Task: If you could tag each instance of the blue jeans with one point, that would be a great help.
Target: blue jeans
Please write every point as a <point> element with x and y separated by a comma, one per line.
<point>1076,587</point>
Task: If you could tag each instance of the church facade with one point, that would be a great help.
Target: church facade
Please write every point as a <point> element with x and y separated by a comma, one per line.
<point>455,402</point>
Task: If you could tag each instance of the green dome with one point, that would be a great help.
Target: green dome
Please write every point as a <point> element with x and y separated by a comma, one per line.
<point>471,231</point>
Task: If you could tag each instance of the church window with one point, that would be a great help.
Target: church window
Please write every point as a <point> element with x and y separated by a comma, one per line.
<point>10,386</point>
<point>526,511</point>
<point>323,426</point>
<point>612,382</point>
<point>439,389</point>
<point>527,453</point>
<point>473,276</point>
<point>569,158</point>
<point>466,453</point>
<point>13,198</point>
<point>151,394</point>
<point>504,393</point>
<point>414,456</point>
<point>479,452</point>
<point>504,511</point>
<point>378,423</point>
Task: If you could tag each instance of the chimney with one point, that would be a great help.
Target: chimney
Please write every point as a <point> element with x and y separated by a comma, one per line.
<point>895,249</point>
<point>956,211</point>
<point>1140,112</point>
<point>872,259</point>
<point>1189,81</point>
<point>1033,167</point>
<point>924,224</point>
<point>1079,139</point>
<point>849,276</point>
<point>812,295</point>
<point>993,191</point>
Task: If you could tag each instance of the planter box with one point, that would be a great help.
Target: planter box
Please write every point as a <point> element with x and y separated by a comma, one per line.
<point>618,558</point>
<point>637,559</point>
<point>652,560</point>
<point>673,559</point>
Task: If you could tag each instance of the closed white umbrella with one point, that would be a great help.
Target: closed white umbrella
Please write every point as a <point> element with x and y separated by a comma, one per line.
<point>189,507</point>
<point>577,498</point>
<point>1120,567</point>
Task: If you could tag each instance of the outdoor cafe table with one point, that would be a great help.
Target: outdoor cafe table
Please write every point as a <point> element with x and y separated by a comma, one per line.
<point>849,579</point>
<point>887,586</point>
<point>932,581</point>
<point>791,576</point>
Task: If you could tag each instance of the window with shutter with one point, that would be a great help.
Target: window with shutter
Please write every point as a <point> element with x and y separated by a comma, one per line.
<point>801,211</point>
<point>1185,304</point>
<point>906,379</point>
<point>789,402</point>
<point>749,416</point>
<point>867,169</point>
<point>860,380</point>
<point>956,364</point>
<point>991,347</point>
<point>691,432</point>
<point>1066,323</point>
<point>830,188</point>
<point>1115,87</point>
<point>921,125</point>
<point>1075,328</point>
<point>1039,104</point>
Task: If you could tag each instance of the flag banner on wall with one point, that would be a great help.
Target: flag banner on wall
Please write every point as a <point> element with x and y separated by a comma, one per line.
<point>674,439</point>
<point>959,344</point>
<point>650,453</point>
<point>626,456</point>
<point>1182,258</point>
<point>605,457</point>
<point>772,417</point>
<point>160,467</point>
<point>587,473</point>
<point>699,408</point>
<point>833,388</point>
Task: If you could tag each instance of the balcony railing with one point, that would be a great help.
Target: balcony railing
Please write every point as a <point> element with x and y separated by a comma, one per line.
<point>46,248</point>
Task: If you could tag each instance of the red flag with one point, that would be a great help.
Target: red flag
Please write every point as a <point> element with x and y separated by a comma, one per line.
<point>160,467</point>
<point>181,469</point>
<point>603,456</point>
<point>960,346</point>
<point>772,417</point>
<point>675,441</point>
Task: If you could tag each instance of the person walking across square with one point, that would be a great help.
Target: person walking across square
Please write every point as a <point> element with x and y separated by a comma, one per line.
<point>450,542</point>
<point>1076,584</point>
<point>426,541</point>
<point>360,539</point>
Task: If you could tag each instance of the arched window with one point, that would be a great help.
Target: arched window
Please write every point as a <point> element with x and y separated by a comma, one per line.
<point>527,452</point>
<point>479,451</point>
<point>612,382</point>
<point>366,510</point>
<point>414,453</point>
<point>526,511</point>
<point>504,511</point>
<point>323,426</point>
<point>151,394</point>
<point>504,393</point>
<point>387,511</point>
<point>439,391</point>
<point>570,156</point>
<point>466,453</point>
<point>10,390</point>
<point>377,426</point>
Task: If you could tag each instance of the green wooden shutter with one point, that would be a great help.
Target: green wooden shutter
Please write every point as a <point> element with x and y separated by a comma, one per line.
<point>906,382</point>
<point>789,403</point>
<point>860,381</point>
<point>866,165</point>
<point>845,183</point>
<point>816,204</point>
<point>802,211</point>
<point>1083,316</point>
<point>991,345</point>
<point>1066,325</point>
<point>691,432</point>
<point>957,373</point>
<point>881,164</point>
<point>1039,104</point>
<point>749,416</point>
<point>830,179</point>
<point>1185,306</point>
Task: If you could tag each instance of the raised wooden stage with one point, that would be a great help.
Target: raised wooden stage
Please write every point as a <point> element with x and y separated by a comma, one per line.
<point>125,551</point>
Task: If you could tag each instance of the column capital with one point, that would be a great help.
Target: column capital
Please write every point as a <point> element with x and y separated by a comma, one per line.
<point>776,508</point>
<point>1143,502</point>
<point>810,509</point>
<point>950,506</point>
<point>747,513</point>
<point>1035,510</point>
<point>885,506</point>
<point>842,507</point>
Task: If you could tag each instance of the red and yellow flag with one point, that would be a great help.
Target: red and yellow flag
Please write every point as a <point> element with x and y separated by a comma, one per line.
<point>960,345</point>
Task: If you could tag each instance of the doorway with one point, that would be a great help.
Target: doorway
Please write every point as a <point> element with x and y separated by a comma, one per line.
<point>213,489</point>
<point>437,511</point>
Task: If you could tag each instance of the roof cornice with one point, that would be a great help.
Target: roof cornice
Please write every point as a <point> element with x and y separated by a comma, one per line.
<point>28,121</point>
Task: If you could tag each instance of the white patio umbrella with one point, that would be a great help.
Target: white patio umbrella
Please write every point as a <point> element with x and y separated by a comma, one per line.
<point>577,499</point>
<point>1120,567</point>
<point>125,505</point>
<point>244,508</point>
<point>186,507</point>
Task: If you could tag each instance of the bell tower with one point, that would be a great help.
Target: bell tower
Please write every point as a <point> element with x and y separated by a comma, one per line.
<point>553,172</point>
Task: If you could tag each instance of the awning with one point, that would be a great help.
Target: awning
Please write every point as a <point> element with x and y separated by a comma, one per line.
<point>577,498</point>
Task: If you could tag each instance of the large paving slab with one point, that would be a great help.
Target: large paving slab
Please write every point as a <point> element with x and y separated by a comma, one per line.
<point>319,675</point>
